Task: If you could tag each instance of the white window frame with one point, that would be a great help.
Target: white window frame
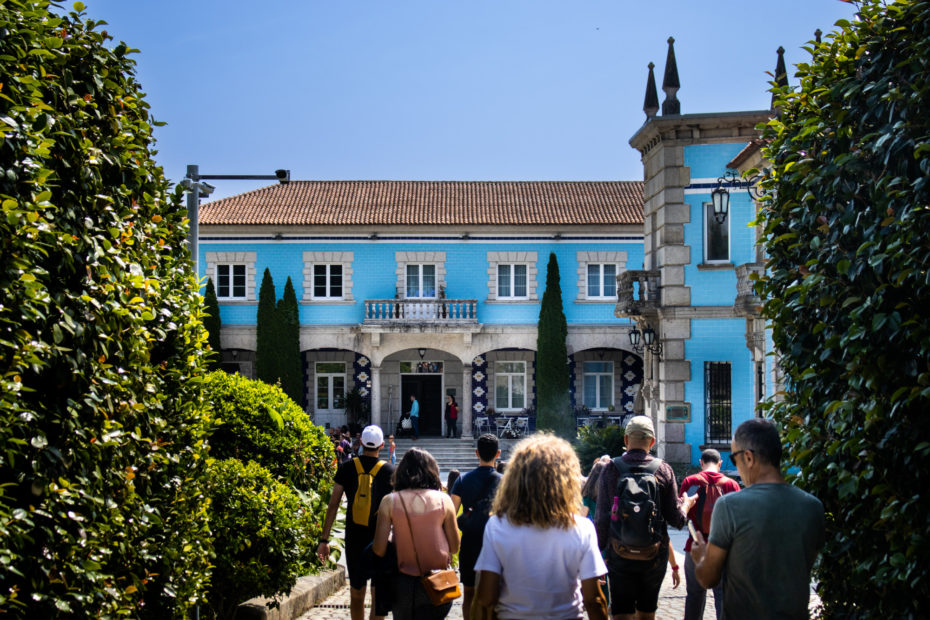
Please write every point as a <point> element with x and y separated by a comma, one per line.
<point>229,269</point>
<point>311,259</point>
<point>511,377</point>
<point>596,377</point>
<point>419,267</point>
<point>602,280</point>
<point>328,267</point>
<point>708,218</point>
<point>215,259</point>
<point>530,259</point>
<point>331,392</point>
<point>512,268</point>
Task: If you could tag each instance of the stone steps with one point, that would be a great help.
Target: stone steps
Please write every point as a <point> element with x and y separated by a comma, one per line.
<point>449,453</point>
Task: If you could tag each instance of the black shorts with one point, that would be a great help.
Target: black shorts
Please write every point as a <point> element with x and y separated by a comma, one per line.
<point>634,584</point>
<point>468,557</point>
<point>359,571</point>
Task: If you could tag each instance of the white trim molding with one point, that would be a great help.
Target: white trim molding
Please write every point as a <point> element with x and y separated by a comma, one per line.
<point>328,258</point>
<point>584,258</point>
<point>234,258</point>
<point>514,258</point>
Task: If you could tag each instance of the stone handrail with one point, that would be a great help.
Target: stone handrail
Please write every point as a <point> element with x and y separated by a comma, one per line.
<point>638,293</point>
<point>747,302</point>
<point>439,311</point>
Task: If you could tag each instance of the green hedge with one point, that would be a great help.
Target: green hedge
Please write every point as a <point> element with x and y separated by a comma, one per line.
<point>847,292</point>
<point>102,510</point>
<point>265,536</point>
<point>258,422</point>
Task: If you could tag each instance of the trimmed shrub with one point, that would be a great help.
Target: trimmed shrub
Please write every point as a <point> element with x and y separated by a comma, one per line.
<point>212,324</point>
<point>266,326</point>
<point>258,422</point>
<point>288,345</point>
<point>265,536</point>
<point>553,403</point>
<point>101,421</point>
<point>595,442</point>
<point>847,292</point>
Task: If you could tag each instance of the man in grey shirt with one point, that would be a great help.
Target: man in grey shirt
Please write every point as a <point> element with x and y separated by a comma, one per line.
<point>763,540</point>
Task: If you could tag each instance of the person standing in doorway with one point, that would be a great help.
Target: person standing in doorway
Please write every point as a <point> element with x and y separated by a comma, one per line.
<point>452,415</point>
<point>415,416</point>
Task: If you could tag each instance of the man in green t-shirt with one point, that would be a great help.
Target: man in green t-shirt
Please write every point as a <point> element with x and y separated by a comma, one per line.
<point>763,540</point>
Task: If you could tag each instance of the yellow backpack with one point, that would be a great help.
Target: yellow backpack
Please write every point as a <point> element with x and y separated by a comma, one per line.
<point>361,505</point>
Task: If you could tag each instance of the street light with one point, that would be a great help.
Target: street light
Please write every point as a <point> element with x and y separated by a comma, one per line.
<point>721,195</point>
<point>195,187</point>
<point>645,341</point>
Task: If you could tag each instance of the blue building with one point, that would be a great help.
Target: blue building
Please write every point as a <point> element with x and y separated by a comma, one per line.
<point>434,288</point>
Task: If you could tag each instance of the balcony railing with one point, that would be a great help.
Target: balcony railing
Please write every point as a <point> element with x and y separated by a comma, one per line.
<point>434,311</point>
<point>637,293</point>
<point>747,302</point>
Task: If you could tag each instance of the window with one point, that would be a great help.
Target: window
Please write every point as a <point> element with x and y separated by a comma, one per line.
<point>510,386</point>
<point>716,237</point>
<point>511,282</point>
<point>327,281</point>
<point>421,281</point>
<point>598,385</point>
<point>330,386</point>
<point>602,280</point>
<point>230,282</point>
<point>717,403</point>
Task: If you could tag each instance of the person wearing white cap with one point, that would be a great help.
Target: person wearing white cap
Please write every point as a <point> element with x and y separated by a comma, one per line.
<point>364,480</point>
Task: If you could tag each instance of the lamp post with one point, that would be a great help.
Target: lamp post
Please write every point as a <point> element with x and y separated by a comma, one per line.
<point>195,187</point>
<point>721,194</point>
<point>645,341</point>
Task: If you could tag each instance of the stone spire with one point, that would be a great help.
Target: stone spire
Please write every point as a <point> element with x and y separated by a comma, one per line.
<point>781,73</point>
<point>817,34</point>
<point>670,83</point>
<point>651,104</point>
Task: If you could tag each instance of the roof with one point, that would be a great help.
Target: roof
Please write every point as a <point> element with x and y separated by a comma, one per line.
<point>754,145</point>
<point>411,203</point>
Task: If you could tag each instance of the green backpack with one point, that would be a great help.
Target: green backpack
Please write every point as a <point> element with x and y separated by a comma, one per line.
<point>361,505</point>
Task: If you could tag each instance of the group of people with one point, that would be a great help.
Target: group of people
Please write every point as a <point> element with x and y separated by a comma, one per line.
<point>409,422</point>
<point>526,550</point>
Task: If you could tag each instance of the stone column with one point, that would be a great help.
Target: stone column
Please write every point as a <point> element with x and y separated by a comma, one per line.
<point>465,411</point>
<point>376,396</point>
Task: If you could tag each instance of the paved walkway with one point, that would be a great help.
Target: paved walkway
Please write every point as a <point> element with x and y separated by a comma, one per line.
<point>671,601</point>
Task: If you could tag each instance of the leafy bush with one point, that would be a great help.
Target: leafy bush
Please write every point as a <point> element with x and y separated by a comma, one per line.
<point>101,425</point>
<point>265,536</point>
<point>847,293</point>
<point>594,442</point>
<point>258,422</point>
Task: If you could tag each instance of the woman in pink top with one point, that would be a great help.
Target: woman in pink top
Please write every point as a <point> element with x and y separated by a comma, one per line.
<point>422,519</point>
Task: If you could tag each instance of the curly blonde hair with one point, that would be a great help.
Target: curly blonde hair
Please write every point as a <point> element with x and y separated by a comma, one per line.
<point>541,484</point>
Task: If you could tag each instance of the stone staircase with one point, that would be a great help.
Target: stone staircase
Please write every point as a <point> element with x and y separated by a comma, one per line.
<point>449,453</point>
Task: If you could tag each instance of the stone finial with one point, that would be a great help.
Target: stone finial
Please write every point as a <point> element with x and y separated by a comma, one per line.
<point>781,73</point>
<point>651,103</point>
<point>670,83</point>
<point>817,34</point>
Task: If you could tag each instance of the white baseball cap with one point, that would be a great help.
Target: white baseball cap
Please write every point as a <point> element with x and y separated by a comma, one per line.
<point>372,437</point>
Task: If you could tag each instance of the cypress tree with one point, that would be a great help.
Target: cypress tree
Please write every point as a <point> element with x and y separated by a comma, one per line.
<point>288,332</point>
<point>211,322</point>
<point>266,349</point>
<point>552,380</point>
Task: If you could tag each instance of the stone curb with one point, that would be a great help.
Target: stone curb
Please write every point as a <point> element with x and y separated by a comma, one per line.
<point>306,593</point>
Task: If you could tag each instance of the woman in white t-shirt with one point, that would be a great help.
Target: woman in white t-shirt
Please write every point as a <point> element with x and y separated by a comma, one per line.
<point>540,558</point>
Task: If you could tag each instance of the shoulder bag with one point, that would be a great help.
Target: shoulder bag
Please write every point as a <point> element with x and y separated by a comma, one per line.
<point>442,586</point>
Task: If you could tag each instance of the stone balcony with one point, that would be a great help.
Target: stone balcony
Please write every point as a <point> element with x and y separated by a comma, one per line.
<point>747,302</point>
<point>638,293</point>
<point>436,313</point>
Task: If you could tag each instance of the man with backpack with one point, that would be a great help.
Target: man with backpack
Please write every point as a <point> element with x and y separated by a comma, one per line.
<point>637,498</point>
<point>364,480</point>
<point>474,492</point>
<point>707,486</point>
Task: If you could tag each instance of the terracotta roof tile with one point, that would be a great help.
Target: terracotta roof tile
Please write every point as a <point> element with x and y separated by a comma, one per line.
<point>406,203</point>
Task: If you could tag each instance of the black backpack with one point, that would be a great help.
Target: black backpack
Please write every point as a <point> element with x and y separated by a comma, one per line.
<point>475,517</point>
<point>636,519</point>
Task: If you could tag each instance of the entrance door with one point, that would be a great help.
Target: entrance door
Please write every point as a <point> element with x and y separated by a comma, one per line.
<point>428,390</point>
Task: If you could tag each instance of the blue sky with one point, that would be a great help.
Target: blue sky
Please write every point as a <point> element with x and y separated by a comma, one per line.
<point>440,89</point>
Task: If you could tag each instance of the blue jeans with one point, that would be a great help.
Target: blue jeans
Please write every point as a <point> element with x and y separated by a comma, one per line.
<point>696,597</point>
<point>416,425</point>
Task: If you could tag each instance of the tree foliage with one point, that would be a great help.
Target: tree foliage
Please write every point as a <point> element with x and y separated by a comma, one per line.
<point>266,326</point>
<point>288,346</point>
<point>553,404</point>
<point>847,290</point>
<point>102,429</point>
<point>212,324</point>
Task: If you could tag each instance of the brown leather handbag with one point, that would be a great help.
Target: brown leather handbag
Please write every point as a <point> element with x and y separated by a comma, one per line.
<point>442,586</point>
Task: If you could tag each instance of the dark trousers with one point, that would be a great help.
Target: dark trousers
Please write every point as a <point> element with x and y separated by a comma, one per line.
<point>696,597</point>
<point>452,430</point>
<point>416,425</point>
<point>412,603</point>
